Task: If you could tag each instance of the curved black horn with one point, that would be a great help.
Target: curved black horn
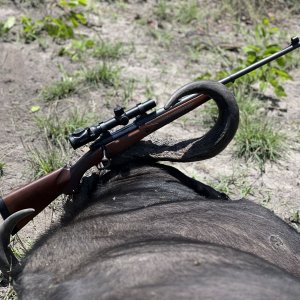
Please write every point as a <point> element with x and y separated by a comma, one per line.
<point>7,258</point>
<point>207,146</point>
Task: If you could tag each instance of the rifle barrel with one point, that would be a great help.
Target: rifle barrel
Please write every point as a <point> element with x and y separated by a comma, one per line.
<point>231,78</point>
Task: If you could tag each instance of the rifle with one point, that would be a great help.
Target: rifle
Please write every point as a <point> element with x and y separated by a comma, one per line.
<point>21,205</point>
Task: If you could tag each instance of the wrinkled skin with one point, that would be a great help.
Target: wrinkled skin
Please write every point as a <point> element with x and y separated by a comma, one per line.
<point>151,232</point>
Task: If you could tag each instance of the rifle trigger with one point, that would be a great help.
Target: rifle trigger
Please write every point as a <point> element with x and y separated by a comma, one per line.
<point>105,163</point>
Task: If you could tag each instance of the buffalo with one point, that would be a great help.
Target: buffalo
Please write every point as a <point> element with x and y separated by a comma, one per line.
<point>152,232</point>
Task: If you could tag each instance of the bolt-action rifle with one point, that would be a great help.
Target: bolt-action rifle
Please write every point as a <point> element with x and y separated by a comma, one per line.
<point>107,142</point>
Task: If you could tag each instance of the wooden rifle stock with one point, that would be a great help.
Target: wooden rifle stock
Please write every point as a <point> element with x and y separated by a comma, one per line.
<point>40,193</point>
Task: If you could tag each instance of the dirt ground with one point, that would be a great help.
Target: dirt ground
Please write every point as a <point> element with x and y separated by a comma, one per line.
<point>159,67</point>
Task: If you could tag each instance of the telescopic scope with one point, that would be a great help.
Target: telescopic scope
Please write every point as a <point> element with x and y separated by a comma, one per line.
<point>83,136</point>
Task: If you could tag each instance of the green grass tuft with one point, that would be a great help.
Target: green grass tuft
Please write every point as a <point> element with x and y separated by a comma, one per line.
<point>258,139</point>
<point>10,294</point>
<point>161,11</point>
<point>80,49</point>
<point>163,37</point>
<point>105,50</point>
<point>1,168</point>
<point>102,73</point>
<point>188,12</point>
<point>254,10</point>
<point>46,160</point>
<point>236,185</point>
<point>57,128</point>
<point>59,89</point>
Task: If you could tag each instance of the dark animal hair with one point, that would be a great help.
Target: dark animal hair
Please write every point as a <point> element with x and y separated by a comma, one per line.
<point>129,212</point>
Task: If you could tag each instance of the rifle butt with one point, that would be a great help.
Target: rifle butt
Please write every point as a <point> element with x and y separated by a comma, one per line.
<point>36,195</point>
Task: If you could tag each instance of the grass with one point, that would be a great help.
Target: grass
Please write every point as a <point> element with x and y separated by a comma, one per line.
<point>295,219</point>
<point>247,102</point>
<point>1,168</point>
<point>77,48</point>
<point>20,247</point>
<point>80,49</point>
<point>106,50</point>
<point>234,185</point>
<point>128,89</point>
<point>103,73</point>
<point>149,90</point>
<point>58,128</point>
<point>188,12</point>
<point>59,89</point>
<point>10,294</point>
<point>162,10</point>
<point>163,37</point>
<point>68,85</point>
<point>253,10</point>
<point>259,140</point>
<point>195,50</point>
<point>46,159</point>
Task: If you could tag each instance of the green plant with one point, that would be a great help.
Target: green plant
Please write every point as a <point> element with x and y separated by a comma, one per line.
<point>30,29</point>
<point>59,89</point>
<point>7,25</point>
<point>295,217</point>
<point>259,140</point>
<point>106,50</point>
<point>46,159</point>
<point>254,10</point>
<point>103,73</point>
<point>128,91</point>
<point>77,48</point>
<point>161,10</point>
<point>163,37</point>
<point>195,51</point>
<point>58,128</point>
<point>60,27</point>
<point>20,246</point>
<point>261,44</point>
<point>235,185</point>
<point>248,102</point>
<point>188,12</point>
<point>10,294</point>
<point>80,48</point>
<point>1,168</point>
<point>149,89</point>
